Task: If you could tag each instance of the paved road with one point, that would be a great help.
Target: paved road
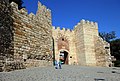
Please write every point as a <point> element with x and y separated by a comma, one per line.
<point>67,73</point>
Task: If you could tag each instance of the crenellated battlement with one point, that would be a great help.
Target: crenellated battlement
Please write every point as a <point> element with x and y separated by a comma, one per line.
<point>63,29</point>
<point>43,7</point>
<point>24,11</point>
<point>42,11</point>
<point>88,23</point>
<point>31,15</point>
<point>15,8</point>
<point>14,5</point>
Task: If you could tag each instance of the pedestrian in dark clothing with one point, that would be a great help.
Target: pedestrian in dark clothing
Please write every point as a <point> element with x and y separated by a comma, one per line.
<point>56,64</point>
<point>60,64</point>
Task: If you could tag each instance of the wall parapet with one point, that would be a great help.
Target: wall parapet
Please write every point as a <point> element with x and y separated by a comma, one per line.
<point>87,22</point>
<point>63,29</point>
<point>42,10</point>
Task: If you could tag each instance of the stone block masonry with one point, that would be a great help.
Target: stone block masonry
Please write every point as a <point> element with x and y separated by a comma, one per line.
<point>81,46</point>
<point>32,34</point>
<point>6,33</point>
<point>25,36</point>
<point>30,40</point>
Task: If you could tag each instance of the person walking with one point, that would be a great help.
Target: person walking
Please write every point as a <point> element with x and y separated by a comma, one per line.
<point>56,64</point>
<point>60,64</point>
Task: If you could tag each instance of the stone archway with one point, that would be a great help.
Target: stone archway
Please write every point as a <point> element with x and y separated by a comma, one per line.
<point>64,57</point>
<point>63,47</point>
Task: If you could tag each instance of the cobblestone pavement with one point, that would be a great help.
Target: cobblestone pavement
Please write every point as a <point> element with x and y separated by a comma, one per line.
<point>67,73</point>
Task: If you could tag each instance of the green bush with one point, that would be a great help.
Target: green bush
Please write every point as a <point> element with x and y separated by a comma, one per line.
<point>117,63</point>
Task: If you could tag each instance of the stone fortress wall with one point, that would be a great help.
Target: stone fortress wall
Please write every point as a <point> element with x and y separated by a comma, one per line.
<point>32,38</point>
<point>32,41</point>
<point>86,47</point>
<point>6,33</point>
<point>32,34</point>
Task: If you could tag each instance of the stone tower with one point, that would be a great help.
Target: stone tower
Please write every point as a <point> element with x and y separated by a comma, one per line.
<point>85,33</point>
<point>81,46</point>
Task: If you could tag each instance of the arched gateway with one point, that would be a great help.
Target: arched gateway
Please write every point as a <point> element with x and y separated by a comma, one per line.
<point>61,50</point>
<point>80,46</point>
<point>63,47</point>
<point>64,56</point>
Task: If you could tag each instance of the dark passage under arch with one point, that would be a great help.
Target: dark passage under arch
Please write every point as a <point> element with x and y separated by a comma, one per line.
<point>64,57</point>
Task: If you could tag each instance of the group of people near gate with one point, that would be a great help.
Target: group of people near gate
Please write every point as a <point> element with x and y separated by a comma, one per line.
<point>58,64</point>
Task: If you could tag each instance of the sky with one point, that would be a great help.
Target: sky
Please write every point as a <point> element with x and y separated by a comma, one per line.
<point>67,13</point>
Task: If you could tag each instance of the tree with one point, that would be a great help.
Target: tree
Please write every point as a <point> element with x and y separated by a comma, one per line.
<point>108,36</point>
<point>19,2</point>
<point>114,45</point>
<point>115,50</point>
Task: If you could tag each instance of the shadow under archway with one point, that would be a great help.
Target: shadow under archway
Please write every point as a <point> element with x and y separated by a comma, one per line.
<point>64,57</point>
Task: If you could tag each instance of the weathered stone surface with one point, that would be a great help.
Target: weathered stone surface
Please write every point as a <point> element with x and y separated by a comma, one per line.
<point>102,52</point>
<point>83,45</point>
<point>13,65</point>
<point>6,33</point>
<point>24,35</point>
<point>32,34</point>
<point>28,40</point>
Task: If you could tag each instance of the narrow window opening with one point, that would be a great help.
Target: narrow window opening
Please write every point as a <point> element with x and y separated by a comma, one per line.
<point>106,47</point>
